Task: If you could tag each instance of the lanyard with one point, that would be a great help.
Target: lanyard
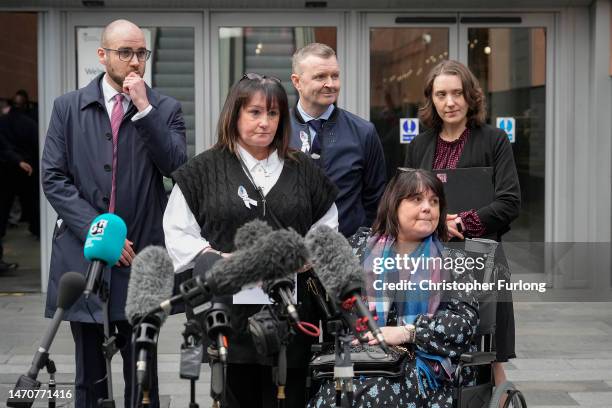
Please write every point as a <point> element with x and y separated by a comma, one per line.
<point>259,191</point>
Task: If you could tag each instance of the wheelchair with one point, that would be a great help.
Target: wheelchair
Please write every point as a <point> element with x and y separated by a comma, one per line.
<point>484,393</point>
<point>481,393</point>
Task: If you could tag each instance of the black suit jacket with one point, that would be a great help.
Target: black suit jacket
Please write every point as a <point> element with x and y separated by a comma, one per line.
<point>485,147</point>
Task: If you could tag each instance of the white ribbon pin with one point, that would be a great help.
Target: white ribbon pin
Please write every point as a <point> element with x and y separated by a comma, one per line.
<point>305,142</point>
<point>242,193</point>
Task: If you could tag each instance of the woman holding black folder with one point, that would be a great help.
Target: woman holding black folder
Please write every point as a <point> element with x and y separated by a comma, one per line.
<point>457,137</point>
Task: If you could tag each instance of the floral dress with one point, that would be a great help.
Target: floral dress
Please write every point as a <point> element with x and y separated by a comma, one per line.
<point>448,333</point>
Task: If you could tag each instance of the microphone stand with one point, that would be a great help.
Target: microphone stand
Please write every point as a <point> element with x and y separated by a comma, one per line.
<point>339,326</point>
<point>146,334</point>
<point>281,374</point>
<point>343,367</point>
<point>109,347</point>
<point>20,397</point>
<point>218,328</point>
<point>191,354</point>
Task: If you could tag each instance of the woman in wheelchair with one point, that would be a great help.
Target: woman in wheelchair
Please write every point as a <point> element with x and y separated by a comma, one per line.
<point>434,327</point>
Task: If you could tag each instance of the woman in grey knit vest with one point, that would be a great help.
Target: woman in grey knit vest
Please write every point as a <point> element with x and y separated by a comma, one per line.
<point>251,173</point>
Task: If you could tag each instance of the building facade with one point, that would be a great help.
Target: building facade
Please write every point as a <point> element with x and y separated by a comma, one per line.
<point>545,68</point>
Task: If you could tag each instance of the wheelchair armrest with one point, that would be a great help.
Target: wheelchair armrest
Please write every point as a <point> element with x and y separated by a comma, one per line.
<point>477,358</point>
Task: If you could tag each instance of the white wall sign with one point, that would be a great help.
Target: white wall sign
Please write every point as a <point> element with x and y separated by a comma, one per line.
<point>88,66</point>
<point>508,125</point>
<point>409,128</point>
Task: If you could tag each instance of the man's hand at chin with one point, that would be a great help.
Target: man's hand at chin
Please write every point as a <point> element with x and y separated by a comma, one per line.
<point>134,86</point>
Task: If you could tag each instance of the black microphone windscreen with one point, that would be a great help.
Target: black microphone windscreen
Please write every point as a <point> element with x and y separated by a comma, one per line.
<point>278,254</point>
<point>151,281</point>
<point>333,260</point>
<point>269,284</point>
<point>204,262</point>
<point>250,232</point>
<point>71,286</point>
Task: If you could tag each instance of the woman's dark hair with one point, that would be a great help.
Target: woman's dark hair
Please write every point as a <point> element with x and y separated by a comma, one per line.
<point>239,95</point>
<point>472,93</point>
<point>406,184</point>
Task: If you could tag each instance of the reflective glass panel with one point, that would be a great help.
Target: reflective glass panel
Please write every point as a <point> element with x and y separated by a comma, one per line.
<point>266,51</point>
<point>400,58</point>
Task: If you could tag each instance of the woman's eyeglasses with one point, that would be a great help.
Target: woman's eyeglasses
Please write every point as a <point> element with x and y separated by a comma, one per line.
<point>256,77</point>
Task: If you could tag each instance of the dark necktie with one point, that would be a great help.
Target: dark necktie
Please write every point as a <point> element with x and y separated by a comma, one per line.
<point>116,118</point>
<point>317,126</point>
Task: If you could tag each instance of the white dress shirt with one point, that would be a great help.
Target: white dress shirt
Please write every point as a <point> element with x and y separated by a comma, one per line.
<point>109,100</point>
<point>182,231</point>
<point>325,116</point>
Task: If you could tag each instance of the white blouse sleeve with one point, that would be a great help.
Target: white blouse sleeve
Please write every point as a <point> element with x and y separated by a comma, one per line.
<point>182,232</point>
<point>330,218</point>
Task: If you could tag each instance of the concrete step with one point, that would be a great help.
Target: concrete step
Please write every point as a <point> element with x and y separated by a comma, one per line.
<point>181,43</point>
<point>188,106</point>
<point>174,80</point>
<point>177,92</point>
<point>175,32</point>
<point>174,55</point>
<point>174,67</point>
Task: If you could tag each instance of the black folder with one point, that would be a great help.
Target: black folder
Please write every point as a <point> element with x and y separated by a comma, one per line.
<point>467,188</point>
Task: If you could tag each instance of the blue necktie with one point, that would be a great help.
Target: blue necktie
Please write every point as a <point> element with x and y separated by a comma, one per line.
<point>317,126</point>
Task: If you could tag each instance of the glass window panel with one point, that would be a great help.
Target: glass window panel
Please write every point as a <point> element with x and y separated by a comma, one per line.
<point>400,59</point>
<point>266,51</point>
<point>510,64</point>
<point>172,70</point>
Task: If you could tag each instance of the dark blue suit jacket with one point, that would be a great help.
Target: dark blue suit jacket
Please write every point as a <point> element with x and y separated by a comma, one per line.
<point>352,157</point>
<point>76,179</point>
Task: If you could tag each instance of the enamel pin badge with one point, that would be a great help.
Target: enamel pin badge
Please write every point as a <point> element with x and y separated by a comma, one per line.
<point>305,142</point>
<point>242,193</point>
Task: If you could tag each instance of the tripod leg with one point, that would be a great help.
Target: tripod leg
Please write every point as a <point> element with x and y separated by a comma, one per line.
<point>109,375</point>
<point>281,376</point>
<point>192,402</point>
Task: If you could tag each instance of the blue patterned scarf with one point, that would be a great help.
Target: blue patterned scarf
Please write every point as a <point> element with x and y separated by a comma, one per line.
<point>408,303</point>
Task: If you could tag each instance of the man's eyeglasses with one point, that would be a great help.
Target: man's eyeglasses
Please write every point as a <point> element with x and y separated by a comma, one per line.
<point>256,77</point>
<point>126,54</point>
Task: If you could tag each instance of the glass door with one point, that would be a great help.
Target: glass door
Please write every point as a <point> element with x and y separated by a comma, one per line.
<point>264,44</point>
<point>511,57</point>
<point>402,50</point>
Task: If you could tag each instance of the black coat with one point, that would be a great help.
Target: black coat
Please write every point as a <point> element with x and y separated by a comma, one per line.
<point>485,147</point>
<point>20,139</point>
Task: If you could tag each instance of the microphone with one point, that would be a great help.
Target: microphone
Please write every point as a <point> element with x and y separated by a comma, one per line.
<point>151,281</point>
<point>216,316</point>
<point>281,291</point>
<point>71,286</point>
<point>271,257</point>
<point>250,232</point>
<point>245,237</point>
<point>103,246</point>
<point>218,326</point>
<point>341,275</point>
